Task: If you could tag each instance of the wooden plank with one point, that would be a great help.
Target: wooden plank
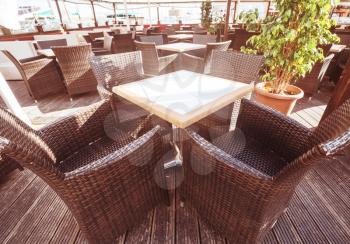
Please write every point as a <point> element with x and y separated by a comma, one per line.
<point>270,238</point>
<point>285,231</point>
<point>14,213</point>
<point>208,235</point>
<point>321,216</point>
<point>187,229</point>
<point>142,232</point>
<point>12,189</point>
<point>335,205</point>
<point>303,222</point>
<point>163,230</point>
<point>312,121</point>
<point>48,225</point>
<point>22,231</point>
<point>80,239</point>
<point>67,231</point>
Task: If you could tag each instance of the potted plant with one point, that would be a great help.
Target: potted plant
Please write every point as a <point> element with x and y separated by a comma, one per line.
<point>206,16</point>
<point>290,44</point>
<point>250,20</point>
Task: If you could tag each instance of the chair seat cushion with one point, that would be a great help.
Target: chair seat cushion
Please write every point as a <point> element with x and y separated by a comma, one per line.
<point>95,151</point>
<point>251,152</point>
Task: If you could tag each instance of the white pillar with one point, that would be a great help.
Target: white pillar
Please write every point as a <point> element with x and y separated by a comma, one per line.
<point>126,15</point>
<point>149,12</point>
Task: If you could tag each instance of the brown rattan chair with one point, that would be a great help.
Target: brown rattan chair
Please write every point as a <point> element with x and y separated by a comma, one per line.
<point>152,63</point>
<point>123,43</point>
<point>244,181</point>
<point>203,39</point>
<point>198,64</point>
<point>75,66</point>
<point>235,66</point>
<point>108,179</point>
<point>312,81</point>
<point>50,43</point>
<point>40,75</point>
<point>117,69</point>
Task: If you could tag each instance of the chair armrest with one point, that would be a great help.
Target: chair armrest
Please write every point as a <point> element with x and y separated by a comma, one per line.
<point>280,133</point>
<point>68,135</point>
<point>25,60</point>
<point>104,92</point>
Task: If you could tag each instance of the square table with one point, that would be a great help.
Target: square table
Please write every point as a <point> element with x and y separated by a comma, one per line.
<point>184,32</point>
<point>181,47</point>
<point>181,36</point>
<point>46,52</point>
<point>183,97</point>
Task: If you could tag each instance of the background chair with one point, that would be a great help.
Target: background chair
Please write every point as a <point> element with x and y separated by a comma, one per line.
<point>152,63</point>
<point>40,75</point>
<point>96,43</point>
<point>106,179</point>
<point>75,66</point>
<point>123,43</point>
<point>235,66</point>
<point>50,43</point>
<point>241,37</point>
<point>312,81</point>
<point>244,181</point>
<point>203,39</point>
<point>198,64</point>
<point>157,39</point>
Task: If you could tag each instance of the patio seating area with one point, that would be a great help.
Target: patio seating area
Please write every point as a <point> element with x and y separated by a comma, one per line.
<point>174,122</point>
<point>32,212</point>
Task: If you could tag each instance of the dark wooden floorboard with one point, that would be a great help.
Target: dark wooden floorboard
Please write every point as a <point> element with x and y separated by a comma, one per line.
<point>30,212</point>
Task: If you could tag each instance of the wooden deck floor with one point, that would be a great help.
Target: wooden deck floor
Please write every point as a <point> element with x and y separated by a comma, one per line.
<point>30,212</point>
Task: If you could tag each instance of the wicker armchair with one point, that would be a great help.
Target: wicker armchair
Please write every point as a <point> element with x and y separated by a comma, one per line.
<point>75,66</point>
<point>203,39</point>
<point>117,69</point>
<point>235,66</point>
<point>240,184</point>
<point>312,81</point>
<point>40,75</point>
<point>50,43</point>
<point>123,43</point>
<point>96,43</point>
<point>198,64</point>
<point>106,178</point>
<point>152,63</point>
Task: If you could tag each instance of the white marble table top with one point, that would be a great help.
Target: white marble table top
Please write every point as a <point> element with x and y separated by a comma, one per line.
<point>181,47</point>
<point>183,97</point>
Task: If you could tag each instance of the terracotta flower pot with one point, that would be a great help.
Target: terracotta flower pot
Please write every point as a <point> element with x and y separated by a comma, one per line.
<point>281,102</point>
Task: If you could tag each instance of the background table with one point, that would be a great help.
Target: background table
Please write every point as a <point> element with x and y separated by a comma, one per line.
<point>181,37</point>
<point>181,47</point>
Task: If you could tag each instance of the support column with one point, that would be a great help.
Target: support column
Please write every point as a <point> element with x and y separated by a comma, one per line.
<point>115,13</point>
<point>59,13</point>
<point>149,12</point>
<point>93,11</point>
<point>158,20</point>
<point>227,19</point>
<point>126,15</point>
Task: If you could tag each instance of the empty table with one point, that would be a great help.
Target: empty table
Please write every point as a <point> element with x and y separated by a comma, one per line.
<point>181,36</point>
<point>183,97</point>
<point>184,32</point>
<point>181,47</point>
